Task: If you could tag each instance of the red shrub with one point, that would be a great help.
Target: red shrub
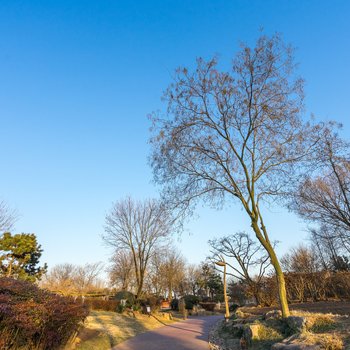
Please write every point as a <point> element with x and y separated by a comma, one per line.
<point>35,318</point>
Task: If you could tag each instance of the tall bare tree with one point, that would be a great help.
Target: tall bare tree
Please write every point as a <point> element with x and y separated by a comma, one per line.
<point>247,259</point>
<point>236,134</point>
<point>138,228</point>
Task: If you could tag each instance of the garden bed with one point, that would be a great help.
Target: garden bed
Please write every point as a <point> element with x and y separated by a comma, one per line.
<point>302,331</point>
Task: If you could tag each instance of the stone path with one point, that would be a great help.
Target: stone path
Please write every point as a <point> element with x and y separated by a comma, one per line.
<point>191,334</point>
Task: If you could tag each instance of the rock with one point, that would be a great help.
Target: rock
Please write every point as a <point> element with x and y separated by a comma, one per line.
<point>251,332</point>
<point>296,324</point>
<point>292,343</point>
<point>238,330</point>
<point>218,342</point>
<point>241,314</point>
<point>239,321</point>
<point>273,314</point>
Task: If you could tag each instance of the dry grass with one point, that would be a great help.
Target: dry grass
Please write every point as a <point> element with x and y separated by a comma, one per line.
<point>267,333</point>
<point>318,322</point>
<point>327,341</point>
<point>105,329</point>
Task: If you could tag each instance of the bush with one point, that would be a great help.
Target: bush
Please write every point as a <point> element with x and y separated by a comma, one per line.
<point>99,304</point>
<point>34,318</point>
<point>124,295</point>
<point>190,301</point>
<point>233,307</point>
<point>174,304</point>
<point>121,308</point>
<point>208,306</point>
<point>152,301</point>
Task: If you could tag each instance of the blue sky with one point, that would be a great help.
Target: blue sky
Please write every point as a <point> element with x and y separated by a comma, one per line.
<point>78,79</point>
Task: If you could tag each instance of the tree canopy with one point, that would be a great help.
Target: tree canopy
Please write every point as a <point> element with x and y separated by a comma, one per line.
<point>235,134</point>
<point>20,255</point>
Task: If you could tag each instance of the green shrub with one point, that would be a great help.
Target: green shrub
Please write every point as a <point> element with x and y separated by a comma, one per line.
<point>174,304</point>
<point>34,318</point>
<point>121,308</point>
<point>125,295</point>
<point>190,301</point>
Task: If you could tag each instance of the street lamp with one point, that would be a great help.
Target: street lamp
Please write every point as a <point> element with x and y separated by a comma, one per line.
<point>227,311</point>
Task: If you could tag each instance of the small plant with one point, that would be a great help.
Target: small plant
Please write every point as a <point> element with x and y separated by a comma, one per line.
<point>121,308</point>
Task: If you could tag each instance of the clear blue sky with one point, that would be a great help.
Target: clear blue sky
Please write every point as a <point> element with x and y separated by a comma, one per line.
<point>79,77</point>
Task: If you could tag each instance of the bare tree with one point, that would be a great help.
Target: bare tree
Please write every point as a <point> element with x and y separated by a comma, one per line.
<point>330,248</point>
<point>324,196</point>
<point>305,275</point>
<point>155,283</point>
<point>173,270</point>
<point>70,279</point>
<point>236,134</point>
<point>137,228</point>
<point>8,217</point>
<point>121,271</point>
<point>87,277</point>
<point>193,276</point>
<point>301,259</point>
<point>60,279</point>
<point>247,259</point>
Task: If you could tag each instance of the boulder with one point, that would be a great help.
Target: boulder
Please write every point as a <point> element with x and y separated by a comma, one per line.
<point>241,314</point>
<point>273,314</point>
<point>250,332</point>
<point>292,343</point>
<point>296,324</point>
<point>232,344</point>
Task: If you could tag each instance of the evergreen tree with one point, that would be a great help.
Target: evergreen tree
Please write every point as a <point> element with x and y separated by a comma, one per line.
<point>19,256</point>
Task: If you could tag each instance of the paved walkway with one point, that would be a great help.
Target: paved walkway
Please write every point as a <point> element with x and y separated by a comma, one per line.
<point>191,334</point>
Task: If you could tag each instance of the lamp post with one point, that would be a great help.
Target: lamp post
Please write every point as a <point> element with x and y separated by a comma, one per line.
<point>227,311</point>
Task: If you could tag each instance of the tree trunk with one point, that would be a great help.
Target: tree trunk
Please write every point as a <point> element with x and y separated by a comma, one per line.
<point>140,286</point>
<point>170,295</point>
<point>281,284</point>
<point>256,294</point>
